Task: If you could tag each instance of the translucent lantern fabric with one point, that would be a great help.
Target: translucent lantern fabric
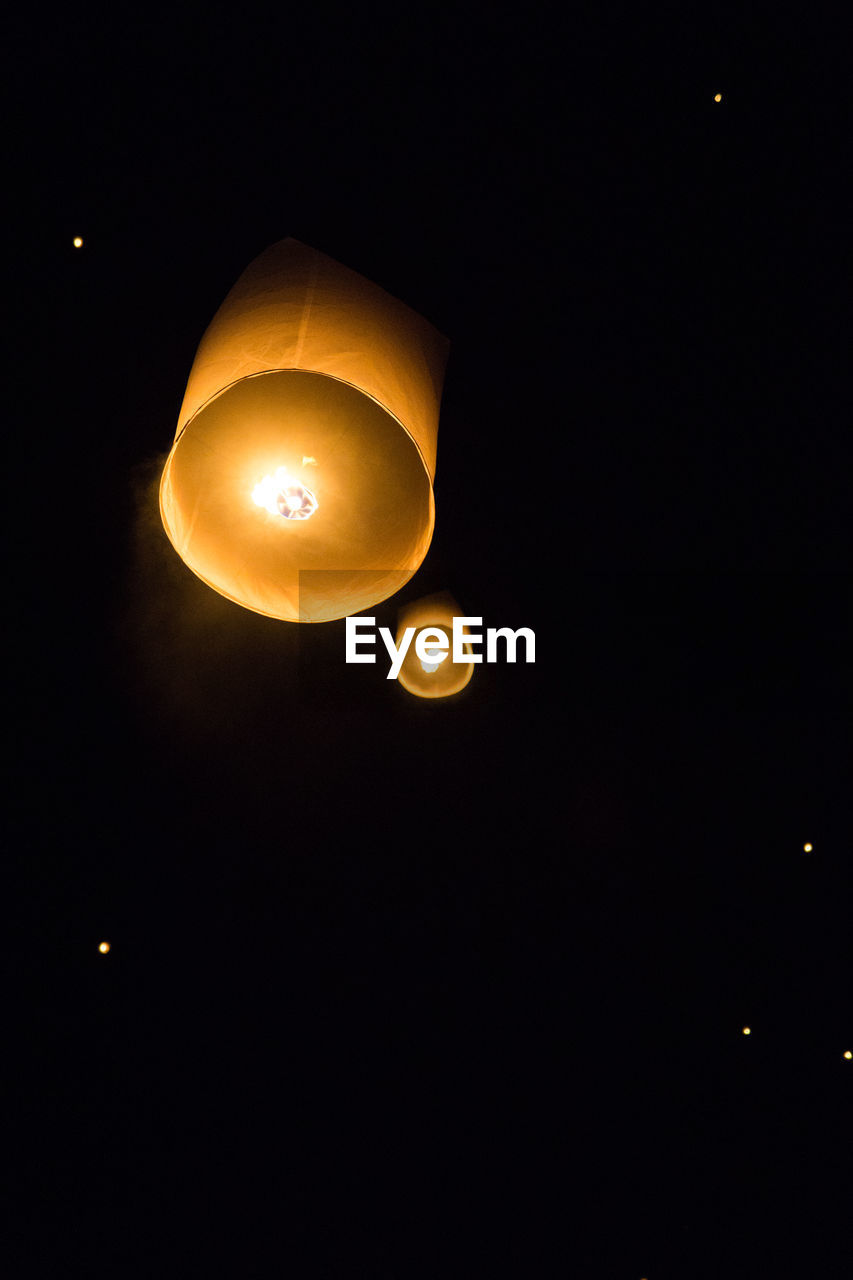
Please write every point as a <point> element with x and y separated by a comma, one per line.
<point>432,679</point>
<point>310,371</point>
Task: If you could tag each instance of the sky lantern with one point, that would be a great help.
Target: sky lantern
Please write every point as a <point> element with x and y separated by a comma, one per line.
<point>428,669</point>
<point>300,481</point>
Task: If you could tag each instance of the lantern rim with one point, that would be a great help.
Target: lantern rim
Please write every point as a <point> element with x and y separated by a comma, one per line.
<point>288,368</point>
<point>434,694</point>
<point>236,599</point>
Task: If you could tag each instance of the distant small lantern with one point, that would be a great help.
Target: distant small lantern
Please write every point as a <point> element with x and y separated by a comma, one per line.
<point>103,947</point>
<point>300,481</point>
<point>78,243</point>
<point>807,848</point>
<point>718,97</point>
<point>747,1031</point>
<point>432,673</point>
<point>848,1054</point>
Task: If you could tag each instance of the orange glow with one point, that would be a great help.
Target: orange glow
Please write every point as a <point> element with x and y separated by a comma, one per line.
<point>718,97</point>
<point>78,243</point>
<point>848,1054</point>
<point>747,1031</point>
<point>103,947</point>
<point>807,848</point>
<point>441,676</point>
<point>314,395</point>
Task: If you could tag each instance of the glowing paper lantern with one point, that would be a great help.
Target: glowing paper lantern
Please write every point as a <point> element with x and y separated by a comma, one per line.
<point>300,481</point>
<point>432,677</point>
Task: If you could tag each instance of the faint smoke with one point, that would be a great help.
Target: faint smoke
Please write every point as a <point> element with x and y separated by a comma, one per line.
<point>201,671</point>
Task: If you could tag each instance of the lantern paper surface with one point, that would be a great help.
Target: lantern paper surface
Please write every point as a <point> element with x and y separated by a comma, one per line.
<point>300,480</point>
<point>432,679</point>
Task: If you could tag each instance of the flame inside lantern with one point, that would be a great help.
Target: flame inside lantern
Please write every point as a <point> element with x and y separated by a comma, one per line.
<point>281,495</point>
<point>435,657</point>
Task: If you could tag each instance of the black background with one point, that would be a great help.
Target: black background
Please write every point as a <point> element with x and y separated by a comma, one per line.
<point>400,988</point>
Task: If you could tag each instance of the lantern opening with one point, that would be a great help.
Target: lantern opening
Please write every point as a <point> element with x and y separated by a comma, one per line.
<point>281,495</point>
<point>432,672</point>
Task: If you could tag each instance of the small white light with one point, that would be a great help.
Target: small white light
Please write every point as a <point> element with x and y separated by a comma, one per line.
<point>281,495</point>
<point>77,242</point>
<point>433,661</point>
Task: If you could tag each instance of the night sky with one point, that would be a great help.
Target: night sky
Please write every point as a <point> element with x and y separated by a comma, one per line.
<point>406,989</point>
